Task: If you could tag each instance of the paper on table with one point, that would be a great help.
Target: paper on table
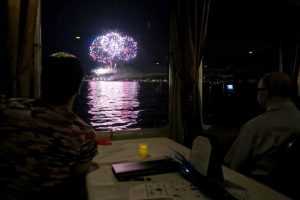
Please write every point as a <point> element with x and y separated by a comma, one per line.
<point>200,155</point>
<point>149,191</point>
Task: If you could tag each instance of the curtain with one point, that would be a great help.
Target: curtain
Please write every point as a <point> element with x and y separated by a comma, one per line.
<point>188,29</point>
<point>18,20</point>
<point>290,42</point>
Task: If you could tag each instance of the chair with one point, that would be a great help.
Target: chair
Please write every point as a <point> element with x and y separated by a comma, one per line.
<point>284,163</point>
<point>287,175</point>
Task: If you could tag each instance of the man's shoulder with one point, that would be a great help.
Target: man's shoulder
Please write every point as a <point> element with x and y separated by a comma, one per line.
<point>258,120</point>
<point>18,103</point>
<point>15,112</point>
<point>257,125</point>
<point>36,116</point>
<point>21,105</point>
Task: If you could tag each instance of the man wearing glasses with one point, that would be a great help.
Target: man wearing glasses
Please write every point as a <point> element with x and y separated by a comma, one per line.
<point>263,134</point>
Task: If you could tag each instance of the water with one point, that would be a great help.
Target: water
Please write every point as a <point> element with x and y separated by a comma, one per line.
<point>130,105</point>
<point>123,105</point>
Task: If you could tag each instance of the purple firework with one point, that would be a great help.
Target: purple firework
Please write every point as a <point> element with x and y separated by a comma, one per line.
<point>113,46</point>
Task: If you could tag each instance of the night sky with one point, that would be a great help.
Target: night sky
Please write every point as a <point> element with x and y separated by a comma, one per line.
<point>144,20</point>
<point>235,27</point>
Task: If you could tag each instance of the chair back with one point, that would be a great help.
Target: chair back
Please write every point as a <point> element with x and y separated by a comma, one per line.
<point>281,161</point>
<point>288,173</point>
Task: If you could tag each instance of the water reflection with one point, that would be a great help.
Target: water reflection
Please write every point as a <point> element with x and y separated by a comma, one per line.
<point>113,105</point>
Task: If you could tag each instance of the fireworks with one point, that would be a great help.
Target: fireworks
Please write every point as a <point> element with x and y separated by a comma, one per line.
<point>113,47</point>
<point>105,70</point>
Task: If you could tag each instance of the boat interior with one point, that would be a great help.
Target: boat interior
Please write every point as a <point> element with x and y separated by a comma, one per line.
<point>209,42</point>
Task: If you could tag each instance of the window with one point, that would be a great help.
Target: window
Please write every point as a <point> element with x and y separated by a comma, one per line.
<point>123,47</point>
<point>242,45</point>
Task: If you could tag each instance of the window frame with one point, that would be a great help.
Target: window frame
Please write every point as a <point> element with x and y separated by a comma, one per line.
<point>115,135</point>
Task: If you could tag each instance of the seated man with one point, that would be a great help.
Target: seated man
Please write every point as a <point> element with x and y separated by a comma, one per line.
<point>268,130</point>
<point>45,148</point>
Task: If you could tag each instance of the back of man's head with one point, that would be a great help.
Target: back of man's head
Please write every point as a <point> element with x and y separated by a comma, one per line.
<point>278,84</point>
<point>62,74</point>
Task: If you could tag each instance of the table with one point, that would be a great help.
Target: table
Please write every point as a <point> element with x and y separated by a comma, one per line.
<point>101,183</point>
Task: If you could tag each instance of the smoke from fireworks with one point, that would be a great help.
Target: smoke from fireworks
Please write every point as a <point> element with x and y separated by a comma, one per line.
<point>113,47</point>
<point>105,70</point>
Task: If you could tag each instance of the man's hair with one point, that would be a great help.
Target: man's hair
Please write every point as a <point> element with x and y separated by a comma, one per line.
<point>61,77</point>
<point>278,84</point>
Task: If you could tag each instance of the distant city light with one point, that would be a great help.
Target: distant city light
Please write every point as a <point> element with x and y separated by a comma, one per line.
<point>250,52</point>
<point>157,63</point>
<point>77,37</point>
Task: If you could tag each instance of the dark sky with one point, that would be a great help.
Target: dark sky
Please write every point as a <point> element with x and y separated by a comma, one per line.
<point>144,20</point>
<point>238,26</point>
<point>235,27</point>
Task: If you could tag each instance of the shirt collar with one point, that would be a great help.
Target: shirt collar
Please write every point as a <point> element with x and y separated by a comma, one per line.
<point>281,105</point>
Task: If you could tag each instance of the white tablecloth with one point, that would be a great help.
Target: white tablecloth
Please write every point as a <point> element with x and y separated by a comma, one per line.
<point>102,185</point>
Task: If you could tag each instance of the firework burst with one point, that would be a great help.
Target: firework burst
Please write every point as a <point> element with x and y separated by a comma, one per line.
<point>113,47</point>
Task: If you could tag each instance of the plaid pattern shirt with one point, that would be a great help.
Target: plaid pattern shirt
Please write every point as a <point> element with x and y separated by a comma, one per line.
<point>39,145</point>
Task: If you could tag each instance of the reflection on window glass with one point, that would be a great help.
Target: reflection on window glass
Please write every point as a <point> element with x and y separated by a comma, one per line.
<point>123,47</point>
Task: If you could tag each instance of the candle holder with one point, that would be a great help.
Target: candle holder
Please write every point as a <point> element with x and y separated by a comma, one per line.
<point>143,150</point>
<point>103,139</point>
